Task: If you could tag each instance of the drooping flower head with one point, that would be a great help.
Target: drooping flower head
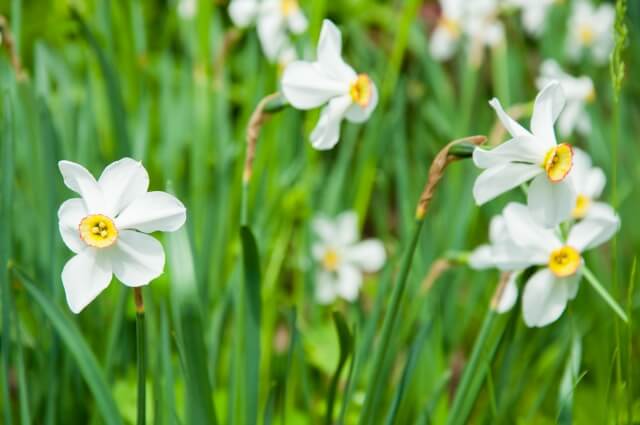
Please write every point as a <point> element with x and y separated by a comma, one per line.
<point>590,31</point>
<point>107,226</point>
<point>531,155</point>
<point>342,259</point>
<point>275,19</point>
<point>331,82</point>
<point>578,91</point>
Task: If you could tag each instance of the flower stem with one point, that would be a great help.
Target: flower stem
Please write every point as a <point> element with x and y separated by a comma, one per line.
<point>595,284</point>
<point>142,360</point>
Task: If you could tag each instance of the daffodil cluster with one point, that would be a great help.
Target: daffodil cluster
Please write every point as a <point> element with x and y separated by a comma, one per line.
<point>562,219</point>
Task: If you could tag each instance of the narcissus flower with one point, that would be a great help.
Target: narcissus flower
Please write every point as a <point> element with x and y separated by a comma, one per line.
<point>578,91</point>
<point>590,30</point>
<point>107,229</point>
<point>589,182</point>
<point>275,19</point>
<point>342,259</point>
<point>329,80</point>
<point>534,14</point>
<point>448,32</point>
<point>548,290</point>
<point>531,155</point>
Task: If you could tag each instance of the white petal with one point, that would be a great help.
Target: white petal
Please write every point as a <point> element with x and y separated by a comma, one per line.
<point>84,277</point>
<point>325,229</point>
<point>137,258</point>
<point>306,86</point>
<point>443,43</point>
<point>122,182</point>
<point>327,132</point>
<point>347,227</point>
<point>298,22</point>
<point>527,232</point>
<point>594,183</point>
<point>330,54</point>
<point>272,34</point>
<point>544,299</point>
<point>152,212</point>
<point>601,210</point>
<point>518,149</point>
<point>356,113</point>
<point>242,12</point>
<point>349,282</point>
<point>573,283</point>
<point>78,179</point>
<point>551,203</point>
<point>369,255</point>
<point>495,181</point>
<point>70,214</point>
<point>509,256</point>
<point>325,288</point>
<point>512,126</point>
<point>548,105</point>
<point>481,258</point>
<point>592,232</point>
<point>509,294</point>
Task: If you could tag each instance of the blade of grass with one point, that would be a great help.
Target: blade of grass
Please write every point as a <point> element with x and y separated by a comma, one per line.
<point>346,343</point>
<point>597,286</point>
<point>569,381</point>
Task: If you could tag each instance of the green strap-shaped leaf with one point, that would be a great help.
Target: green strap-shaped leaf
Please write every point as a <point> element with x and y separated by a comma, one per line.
<point>346,341</point>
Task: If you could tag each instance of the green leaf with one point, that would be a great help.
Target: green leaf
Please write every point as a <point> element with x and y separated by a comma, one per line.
<point>75,343</point>
<point>346,341</point>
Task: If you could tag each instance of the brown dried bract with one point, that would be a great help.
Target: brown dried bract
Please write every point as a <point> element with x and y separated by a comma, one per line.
<point>258,117</point>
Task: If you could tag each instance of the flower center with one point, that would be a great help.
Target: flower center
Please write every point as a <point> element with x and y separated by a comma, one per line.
<point>360,90</point>
<point>558,162</point>
<point>586,34</point>
<point>582,206</point>
<point>564,261</point>
<point>451,26</point>
<point>98,231</point>
<point>289,6</point>
<point>330,260</point>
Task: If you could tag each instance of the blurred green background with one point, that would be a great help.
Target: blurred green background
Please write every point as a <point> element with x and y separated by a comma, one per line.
<point>131,78</point>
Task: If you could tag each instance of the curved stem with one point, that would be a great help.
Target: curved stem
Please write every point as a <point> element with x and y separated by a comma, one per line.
<point>141,354</point>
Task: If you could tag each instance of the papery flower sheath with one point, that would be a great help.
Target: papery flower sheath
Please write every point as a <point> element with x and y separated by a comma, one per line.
<point>578,92</point>
<point>331,82</point>
<point>590,31</point>
<point>589,182</point>
<point>530,155</point>
<point>342,259</point>
<point>548,290</point>
<point>275,19</point>
<point>107,226</point>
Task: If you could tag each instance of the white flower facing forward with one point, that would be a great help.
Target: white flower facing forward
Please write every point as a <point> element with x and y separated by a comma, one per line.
<point>342,259</point>
<point>274,20</point>
<point>590,30</point>
<point>534,155</point>
<point>534,14</point>
<point>589,182</point>
<point>329,80</point>
<point>106,228</point>
<point>548,290</point>
<point>578,91</point>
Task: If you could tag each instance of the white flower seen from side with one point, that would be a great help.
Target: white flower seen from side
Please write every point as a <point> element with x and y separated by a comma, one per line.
<point>530,155</point>
<point>448,31</point>
<point>590,31</point>
<point>548,290</point>
<point>107,226</point>
<point>589,182</point>
<point>331,82</point>
<point>342,259</point>
<point>578,91</point>
<point>274,19</point>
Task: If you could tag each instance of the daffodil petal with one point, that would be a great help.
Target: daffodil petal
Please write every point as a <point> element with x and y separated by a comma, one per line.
<point>80,180</point>
<point>495,181</point>
<point>358,114</point>
<point>601,210</point>
<point>70,213</point>
<point>592,232</point>
<point>369,255</point>
<point>325,229</point>
<point>347,228</point>
<point>512,126</point>
<point>330,54</point>
<point>481,258</point>
<point>242,12</point>
<point>84,277</point>
<point>528,233</point>
<point>518,149</point>
<point>325,287</point>
<point>306,86</point>
<point>122,182</point>
<point>349,282</point>
<point>153,211</point>
<point>137,258</point>
<point>594,183</point>
<point>442,43</point>
<point>327,132</point>
<point>548,105</point>
<point>544,299</point>
<point>272,35</point>
<point>298,22</point>
<point>551,203</point>
<point>509,295</point>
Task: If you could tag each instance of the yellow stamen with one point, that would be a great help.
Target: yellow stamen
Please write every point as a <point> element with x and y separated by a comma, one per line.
<point>98,231</point>
<point>582,206</point>
<point>451,26</point>
<point>289,6</point>
<point>564,261</point>
<point>330,260</point>
<point>586,34</point>
<point>361,90</point>
<point>558,162</point>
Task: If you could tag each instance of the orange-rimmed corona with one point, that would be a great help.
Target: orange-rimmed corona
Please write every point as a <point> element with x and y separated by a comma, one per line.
<point>558,162</point>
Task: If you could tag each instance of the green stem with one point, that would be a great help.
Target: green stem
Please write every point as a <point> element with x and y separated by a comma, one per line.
<point>244,214</point>
<point>595,284</point>
<point>456,414</point>
<point>142,359</point>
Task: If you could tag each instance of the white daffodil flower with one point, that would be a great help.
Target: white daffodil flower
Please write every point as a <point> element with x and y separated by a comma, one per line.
<point>342,259</point>
<point>530,155</point>
<point>578,91</point>
<point>275,19</point>
<point>187,9</point>
<point>329,80</point>
<point>548,290</point>
<point>534,14</point>
<point>590,30</point>
<point>448,31</point>
<point>589,182</point>
<point>106,228</point>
